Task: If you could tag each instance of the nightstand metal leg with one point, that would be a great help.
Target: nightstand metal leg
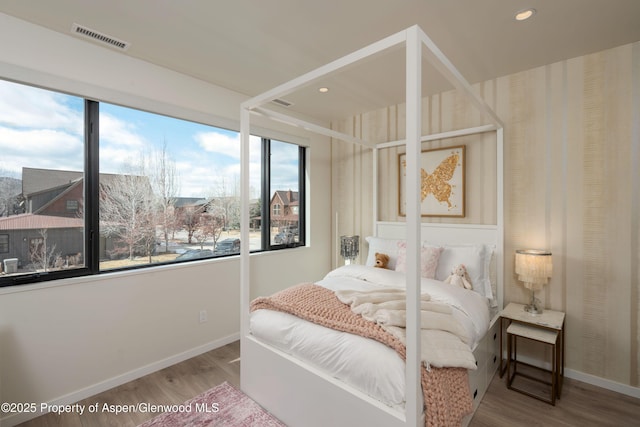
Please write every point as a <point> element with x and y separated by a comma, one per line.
<point>503,362</point>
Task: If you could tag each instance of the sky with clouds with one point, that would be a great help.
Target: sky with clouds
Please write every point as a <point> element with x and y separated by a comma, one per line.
<point>44,129</point>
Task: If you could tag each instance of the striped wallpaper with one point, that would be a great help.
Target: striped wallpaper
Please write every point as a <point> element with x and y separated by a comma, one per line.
<point>572,185</point>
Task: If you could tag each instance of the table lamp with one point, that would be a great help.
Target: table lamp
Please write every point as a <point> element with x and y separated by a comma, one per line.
<point>349,248</point>
<point>533,268</point>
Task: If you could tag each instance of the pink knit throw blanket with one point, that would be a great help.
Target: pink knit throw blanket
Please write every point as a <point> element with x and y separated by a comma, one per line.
<point>446,391</point>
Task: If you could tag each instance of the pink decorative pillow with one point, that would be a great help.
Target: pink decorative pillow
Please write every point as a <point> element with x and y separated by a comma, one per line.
<point>429,257</point>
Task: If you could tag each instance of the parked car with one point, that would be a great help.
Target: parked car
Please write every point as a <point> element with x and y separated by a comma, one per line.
<point>293,229</point>
<point>284,238</point>
<point>195,254</point>
<point>228,246</point>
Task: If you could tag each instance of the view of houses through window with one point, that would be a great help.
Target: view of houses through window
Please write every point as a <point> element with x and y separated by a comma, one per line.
<point>285,201</point>
<point>167,190</point>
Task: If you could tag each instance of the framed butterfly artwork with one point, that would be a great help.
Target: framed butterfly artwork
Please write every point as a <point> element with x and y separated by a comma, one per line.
<point>442,182</point>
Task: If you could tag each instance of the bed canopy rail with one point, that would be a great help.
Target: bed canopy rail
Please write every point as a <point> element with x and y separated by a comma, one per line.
<point>418,46</point>
<point>312,127</point>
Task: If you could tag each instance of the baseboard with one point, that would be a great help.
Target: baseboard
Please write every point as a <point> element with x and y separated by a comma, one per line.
<point>587,378</point>
<point>97,388</point>
<point>603,383</point>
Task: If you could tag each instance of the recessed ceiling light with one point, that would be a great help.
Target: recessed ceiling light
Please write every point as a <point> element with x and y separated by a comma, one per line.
<point>525,14</point>
<point>323,90</point>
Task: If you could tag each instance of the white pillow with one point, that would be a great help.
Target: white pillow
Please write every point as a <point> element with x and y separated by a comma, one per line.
<point>476,258</point>
<point>384,246</point>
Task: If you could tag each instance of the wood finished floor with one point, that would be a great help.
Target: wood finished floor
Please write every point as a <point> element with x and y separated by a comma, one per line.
<point>172,385</point>
<point>581,404</point>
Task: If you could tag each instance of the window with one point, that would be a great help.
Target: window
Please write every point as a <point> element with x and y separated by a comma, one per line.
<point>153,189</point>
<point>286,187</point>
<point>72,206</point>
<point>42,166</point>
<point>169,189</point>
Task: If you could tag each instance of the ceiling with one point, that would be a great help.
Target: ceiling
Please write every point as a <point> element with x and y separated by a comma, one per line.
<point>251,46</point>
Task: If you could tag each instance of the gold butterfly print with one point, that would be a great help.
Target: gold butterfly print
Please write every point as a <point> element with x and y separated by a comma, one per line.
<point>437,183</point>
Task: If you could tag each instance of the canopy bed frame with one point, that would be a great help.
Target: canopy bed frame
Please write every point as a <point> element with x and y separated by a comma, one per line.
<point>292,390</point>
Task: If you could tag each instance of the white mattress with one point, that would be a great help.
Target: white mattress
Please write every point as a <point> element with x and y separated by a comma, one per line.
<point>363,363</point>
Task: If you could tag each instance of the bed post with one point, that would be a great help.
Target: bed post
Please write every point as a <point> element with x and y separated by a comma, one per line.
<point>245,283</point>
<point>500,214</point>
<point>374,196</point>
<point>413,389</point>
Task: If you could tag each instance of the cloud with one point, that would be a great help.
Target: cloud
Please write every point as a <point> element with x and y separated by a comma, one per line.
<point>28,107</point>
<point>203,175</point>
<point>284,177</point>
<point>44,129</point>
<point>41,148</point>
<point>115,159</point>
<point>213,165</point>
<point>40,128</point>
<point>118,132</point>
<point>220,143</point>
<point>284,170</point>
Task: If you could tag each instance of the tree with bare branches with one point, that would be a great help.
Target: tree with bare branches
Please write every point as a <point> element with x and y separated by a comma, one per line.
<point>189,220</point>
<point>163,177</point>
<point>9,193</point>
<point>41,254</point>
<point>128,213</point>
<point>225,200</point>
<point>209,227</point>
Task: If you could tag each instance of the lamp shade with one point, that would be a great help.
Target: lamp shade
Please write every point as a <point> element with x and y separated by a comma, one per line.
<point>349,247</point>
<point>533,267</point>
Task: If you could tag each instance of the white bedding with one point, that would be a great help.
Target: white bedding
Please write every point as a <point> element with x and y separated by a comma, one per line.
<point>356,360</point>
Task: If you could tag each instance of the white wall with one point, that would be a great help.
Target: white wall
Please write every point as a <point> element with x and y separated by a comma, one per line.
<point>571,185</point>
<point>66,340</point>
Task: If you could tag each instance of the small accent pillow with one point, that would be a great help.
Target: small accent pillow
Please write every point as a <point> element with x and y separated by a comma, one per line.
<point>429,257</point>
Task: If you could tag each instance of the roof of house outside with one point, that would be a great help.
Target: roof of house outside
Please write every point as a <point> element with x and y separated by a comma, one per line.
<point>36,222</point>
<point>179,202</point>
<point>289,198</point>
<point>35,180</point>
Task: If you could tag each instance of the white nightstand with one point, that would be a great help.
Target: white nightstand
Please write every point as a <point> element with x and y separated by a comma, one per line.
<point>546,328</point>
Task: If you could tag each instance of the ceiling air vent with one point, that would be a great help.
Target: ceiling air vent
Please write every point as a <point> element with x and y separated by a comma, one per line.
<point>282,102</point>
<point>97,36</point>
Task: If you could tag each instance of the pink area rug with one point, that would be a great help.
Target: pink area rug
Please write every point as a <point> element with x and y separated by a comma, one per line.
<point>221,406</point>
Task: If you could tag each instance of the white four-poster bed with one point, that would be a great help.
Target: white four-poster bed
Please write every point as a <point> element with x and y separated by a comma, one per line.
<point>297,392</point>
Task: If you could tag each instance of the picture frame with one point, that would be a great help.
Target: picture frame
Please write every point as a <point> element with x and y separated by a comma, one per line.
<point>442,182</point>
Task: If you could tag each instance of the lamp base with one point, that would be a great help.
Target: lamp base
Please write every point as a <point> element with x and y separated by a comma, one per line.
<point>534,310</point>
<point>535,305</point>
